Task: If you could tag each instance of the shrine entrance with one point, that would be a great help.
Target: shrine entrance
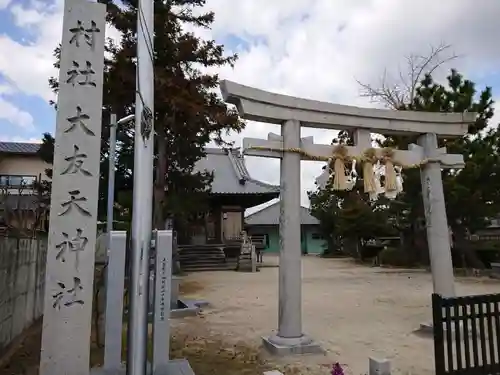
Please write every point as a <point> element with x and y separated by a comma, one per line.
<point>292,113</point>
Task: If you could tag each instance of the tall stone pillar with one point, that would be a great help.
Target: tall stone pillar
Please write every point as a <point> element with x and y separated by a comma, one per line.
<point>290,269</point>
<point>289,338</point>
<point>436,221</point>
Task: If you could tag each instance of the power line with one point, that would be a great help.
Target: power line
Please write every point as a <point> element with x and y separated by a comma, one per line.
<point>149,42</point>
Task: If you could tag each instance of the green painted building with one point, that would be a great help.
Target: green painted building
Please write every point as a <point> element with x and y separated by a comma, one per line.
<point>266,223</point>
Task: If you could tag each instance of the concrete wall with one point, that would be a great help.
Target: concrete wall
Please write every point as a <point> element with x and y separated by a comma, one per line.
<point>22,279</point>
<point>309,242</point>
<point>29,165</point>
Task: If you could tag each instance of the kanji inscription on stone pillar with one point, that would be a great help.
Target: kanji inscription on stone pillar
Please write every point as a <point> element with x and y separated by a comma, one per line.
<point>75,183</point>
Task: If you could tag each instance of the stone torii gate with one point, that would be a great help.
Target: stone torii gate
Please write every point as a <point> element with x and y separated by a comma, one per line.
<point>292,113</point>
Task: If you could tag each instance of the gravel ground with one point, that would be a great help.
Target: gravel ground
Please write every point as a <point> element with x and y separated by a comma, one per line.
<point>353,311</point>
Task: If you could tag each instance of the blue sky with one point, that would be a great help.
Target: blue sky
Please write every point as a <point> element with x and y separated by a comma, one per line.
<point>43,114</point>
<point>316,49</point>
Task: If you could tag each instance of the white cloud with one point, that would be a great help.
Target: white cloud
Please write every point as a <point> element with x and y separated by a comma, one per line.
<point>4,3</point>
<point>309,48</point>
<point>11,113</point>
<point>24,17</point>
<point>14,115</point>
<point>6,138</point>
<point>6,89</point>
<point>34,62</point>
<point>317,49</point>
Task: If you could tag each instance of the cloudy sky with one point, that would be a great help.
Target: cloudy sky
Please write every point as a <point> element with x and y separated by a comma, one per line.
<point>310,48</point>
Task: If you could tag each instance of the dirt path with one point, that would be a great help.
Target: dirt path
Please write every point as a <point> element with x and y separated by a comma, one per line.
<point>353,311</point>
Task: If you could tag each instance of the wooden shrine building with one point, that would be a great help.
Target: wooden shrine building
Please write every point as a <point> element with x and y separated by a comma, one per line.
<point>216,243</point>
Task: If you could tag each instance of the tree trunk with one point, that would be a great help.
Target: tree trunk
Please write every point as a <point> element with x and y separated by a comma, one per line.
<point>351,247</point>
<point>462,249</point>
<point>159,187</point>
<point>422,247</point>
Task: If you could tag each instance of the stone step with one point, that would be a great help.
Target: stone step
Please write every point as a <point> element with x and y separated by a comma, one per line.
<point>210,267</point>
<point>191,255</point>
<point>201,250</point>
<point>202,260</point>
<point>200,253</point>
<point>202,256</point>
<point>208,260</point>
<point>205,259</point>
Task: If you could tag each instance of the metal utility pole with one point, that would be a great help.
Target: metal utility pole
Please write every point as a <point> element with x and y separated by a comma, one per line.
<point>113,125</point>
<point>111,176</point>
<point>142,194</point>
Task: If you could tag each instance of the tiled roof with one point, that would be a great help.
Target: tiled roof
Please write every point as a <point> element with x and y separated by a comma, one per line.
<point>19,148</point>
<point>231,175</point>
<point>270,215</point>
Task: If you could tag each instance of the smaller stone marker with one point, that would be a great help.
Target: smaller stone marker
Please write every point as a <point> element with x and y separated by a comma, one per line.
<point>247,260</point>
<point>379,367</point>
<point>162,300</point>
<point>114,301</point>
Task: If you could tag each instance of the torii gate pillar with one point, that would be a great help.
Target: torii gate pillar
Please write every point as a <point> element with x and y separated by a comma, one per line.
<point>289,337</point>
<point>438,236</point>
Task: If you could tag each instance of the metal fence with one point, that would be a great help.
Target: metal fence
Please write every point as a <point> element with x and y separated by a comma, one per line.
<point>467,334</point>
<point>22,280</point>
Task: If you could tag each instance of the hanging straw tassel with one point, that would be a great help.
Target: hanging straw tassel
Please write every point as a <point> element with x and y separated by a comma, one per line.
<point>369,158</point>
<point>339,158</point>
<point>390,173</point>
<point>378,188</point>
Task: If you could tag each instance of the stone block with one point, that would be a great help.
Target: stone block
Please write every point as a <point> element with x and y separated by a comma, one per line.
<point>427,328</point>
<point>174,367</point>
<point>379,367</point>
<point>495,271</point>
<point>284,347</point>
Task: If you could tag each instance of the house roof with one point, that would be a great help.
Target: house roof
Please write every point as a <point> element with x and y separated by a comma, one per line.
<point>19,148</point>
<point>231,175</point>
<point>271,216</point>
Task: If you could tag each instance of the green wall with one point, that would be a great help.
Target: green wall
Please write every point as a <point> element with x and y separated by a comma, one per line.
<point>315,243</point>
<point>310,238</point>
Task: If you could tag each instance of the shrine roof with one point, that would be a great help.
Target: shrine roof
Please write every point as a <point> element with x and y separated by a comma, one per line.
<point>231,175</point>
<point>271,216</point>
<point>19,148</point>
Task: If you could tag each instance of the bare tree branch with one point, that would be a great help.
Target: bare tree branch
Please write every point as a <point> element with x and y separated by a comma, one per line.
<point>22,210</point>
<point>401,92</point>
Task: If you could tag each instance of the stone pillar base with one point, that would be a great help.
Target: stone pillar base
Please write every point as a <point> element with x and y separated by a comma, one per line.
<point>174,367</point>
<point>426,327</point>
<point>282,346</point>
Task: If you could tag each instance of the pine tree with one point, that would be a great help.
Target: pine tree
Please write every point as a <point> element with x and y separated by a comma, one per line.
<point>472,194</point>
<point>188,113</point>
<point>349,218</point>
